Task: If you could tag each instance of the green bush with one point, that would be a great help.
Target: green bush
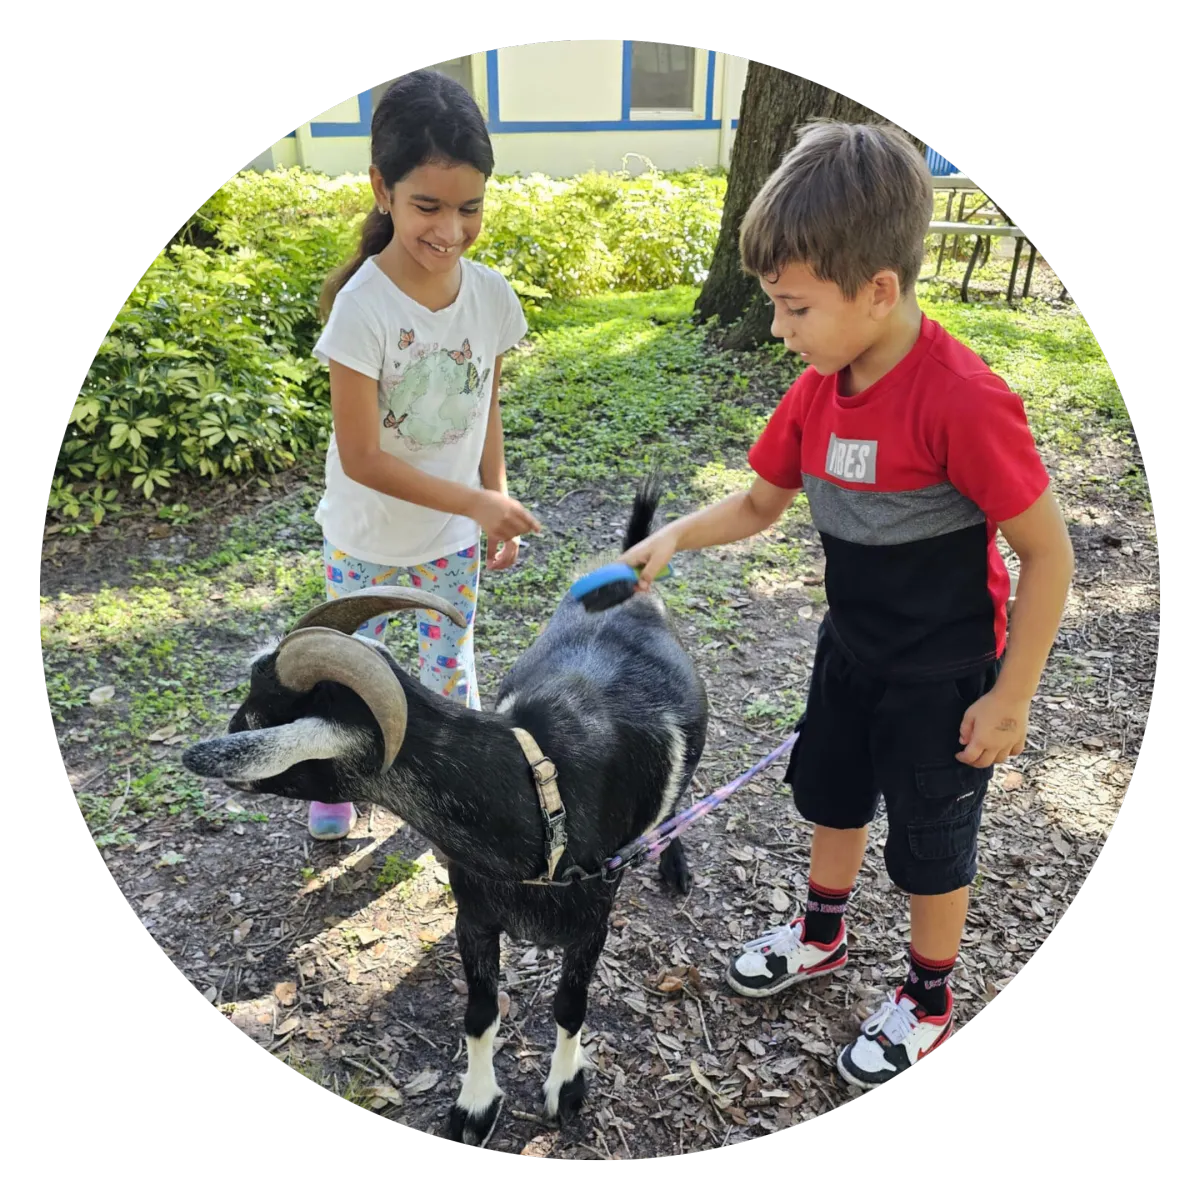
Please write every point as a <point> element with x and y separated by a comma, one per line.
<point>208,368</point>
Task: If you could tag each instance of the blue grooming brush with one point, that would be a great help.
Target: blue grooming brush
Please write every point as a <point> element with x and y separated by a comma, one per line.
<point>609,585</point>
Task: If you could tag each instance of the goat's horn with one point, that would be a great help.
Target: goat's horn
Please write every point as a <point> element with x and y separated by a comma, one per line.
<point>347,613</point>
<point>309,656</point>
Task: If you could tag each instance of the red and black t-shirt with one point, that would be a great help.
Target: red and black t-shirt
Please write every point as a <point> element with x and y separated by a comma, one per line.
<point>906,483</point>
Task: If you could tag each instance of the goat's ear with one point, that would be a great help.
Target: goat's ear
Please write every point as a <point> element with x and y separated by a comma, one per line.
<point>264,753</point>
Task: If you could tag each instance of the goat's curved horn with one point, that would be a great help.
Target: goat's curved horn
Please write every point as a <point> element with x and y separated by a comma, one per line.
<point>347,613</point>
<point>309,656</point>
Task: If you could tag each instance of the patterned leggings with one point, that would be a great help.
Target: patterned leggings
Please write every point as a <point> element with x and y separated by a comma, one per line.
<point>447,653</point>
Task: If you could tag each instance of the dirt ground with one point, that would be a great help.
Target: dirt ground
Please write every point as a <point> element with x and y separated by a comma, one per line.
<point>359,985</point>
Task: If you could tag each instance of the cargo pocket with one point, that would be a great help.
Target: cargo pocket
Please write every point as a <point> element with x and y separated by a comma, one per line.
<point>954,791</point>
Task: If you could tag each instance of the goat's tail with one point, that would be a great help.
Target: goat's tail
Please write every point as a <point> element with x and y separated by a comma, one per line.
<point>645,504</point>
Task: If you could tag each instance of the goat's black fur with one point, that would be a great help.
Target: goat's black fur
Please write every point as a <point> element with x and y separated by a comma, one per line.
<point>610,697</point>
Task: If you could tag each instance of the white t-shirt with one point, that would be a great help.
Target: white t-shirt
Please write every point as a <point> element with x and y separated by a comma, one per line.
<point>435,388</point>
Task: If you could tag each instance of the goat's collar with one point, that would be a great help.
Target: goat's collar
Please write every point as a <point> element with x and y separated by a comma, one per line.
<point>554,814</point>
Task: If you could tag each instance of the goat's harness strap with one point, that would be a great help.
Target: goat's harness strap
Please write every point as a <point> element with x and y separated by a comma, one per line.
<point>554,814</point>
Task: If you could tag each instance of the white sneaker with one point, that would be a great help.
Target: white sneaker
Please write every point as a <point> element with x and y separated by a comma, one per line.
<point>780,957</point>
<point>896,1035</point>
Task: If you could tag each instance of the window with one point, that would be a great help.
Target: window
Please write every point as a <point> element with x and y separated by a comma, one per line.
<point>663,76</point>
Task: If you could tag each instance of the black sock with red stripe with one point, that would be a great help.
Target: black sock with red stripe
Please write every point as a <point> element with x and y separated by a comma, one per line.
<point>823,913</point>
<point>927,980</point>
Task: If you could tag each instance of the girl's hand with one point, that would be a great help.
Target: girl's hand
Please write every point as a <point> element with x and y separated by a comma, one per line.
<point>501,517</point>
<point>651,555</point>
<point>502,555</point>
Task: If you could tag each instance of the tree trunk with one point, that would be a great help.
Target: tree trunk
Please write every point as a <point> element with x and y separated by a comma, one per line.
<point>774,103</point>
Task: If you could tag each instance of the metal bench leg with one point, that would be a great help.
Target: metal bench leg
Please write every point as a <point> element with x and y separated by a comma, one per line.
<point>1029,270</point>
<point>970,267</point>
<point>1012,275</point>
<point>962,203</point>
<point>942,247</point>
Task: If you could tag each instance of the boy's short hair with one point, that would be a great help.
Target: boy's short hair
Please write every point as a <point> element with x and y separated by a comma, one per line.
<point>847,201</point>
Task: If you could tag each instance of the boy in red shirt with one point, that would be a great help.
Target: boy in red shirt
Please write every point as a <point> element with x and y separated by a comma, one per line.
<point>912,454</point>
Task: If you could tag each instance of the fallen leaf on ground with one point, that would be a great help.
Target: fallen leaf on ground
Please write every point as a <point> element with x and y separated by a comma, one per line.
<point>422,1083</point>
<point>285,992</point>
<point>381,1095</point>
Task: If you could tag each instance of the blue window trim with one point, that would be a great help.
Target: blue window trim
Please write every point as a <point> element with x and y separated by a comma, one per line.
<point>359,128</point>
<point>496,124</point>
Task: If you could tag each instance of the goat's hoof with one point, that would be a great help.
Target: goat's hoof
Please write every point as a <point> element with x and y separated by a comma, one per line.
<point>568,1104</point>
<point>674,872</point>
<point>473,1128</point>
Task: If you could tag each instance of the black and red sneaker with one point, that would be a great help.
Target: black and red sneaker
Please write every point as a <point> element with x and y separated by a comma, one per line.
<point>781,957</point>
<point>896,1035</point>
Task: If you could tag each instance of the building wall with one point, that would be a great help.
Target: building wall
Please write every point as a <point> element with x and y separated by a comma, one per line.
<point>559,108</point>
<point>554,107</point>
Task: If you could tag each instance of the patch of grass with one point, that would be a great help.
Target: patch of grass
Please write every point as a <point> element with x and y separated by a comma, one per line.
<point>1048,357</point>
<point>616,385</point>
<point>396,869</point>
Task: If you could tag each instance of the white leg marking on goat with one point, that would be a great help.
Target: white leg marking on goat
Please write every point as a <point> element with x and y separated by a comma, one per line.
<point>569,1059</point>
<point>479,1087</point>
<point>676,748</point>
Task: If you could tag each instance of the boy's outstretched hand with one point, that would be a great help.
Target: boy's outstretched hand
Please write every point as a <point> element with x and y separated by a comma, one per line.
<point>993,730</point>
<point>650,556</point>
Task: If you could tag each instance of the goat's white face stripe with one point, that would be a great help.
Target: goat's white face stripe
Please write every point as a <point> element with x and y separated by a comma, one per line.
<point>507,702</point>
<point>262,753</point>
<point>479,1087</point>
<point>569,1059</point>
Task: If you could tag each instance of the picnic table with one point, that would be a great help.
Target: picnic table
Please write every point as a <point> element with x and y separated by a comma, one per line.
<point>995,224</point>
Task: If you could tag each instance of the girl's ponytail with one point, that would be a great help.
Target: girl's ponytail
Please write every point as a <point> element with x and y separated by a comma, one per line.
<point>422,117</point>
<point>376,233</point>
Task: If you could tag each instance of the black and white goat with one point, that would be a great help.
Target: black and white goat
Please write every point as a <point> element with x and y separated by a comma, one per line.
<point>610,698</point>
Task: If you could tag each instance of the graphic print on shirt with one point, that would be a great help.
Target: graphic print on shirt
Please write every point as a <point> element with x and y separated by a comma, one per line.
<point>852,461</point>
<point>433,396</point>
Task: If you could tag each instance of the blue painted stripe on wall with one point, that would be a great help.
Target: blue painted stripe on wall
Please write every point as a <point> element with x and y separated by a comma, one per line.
<point>626,79</point>
<point>709,84</point>
<point>359,128</point>
<point>493,88</point>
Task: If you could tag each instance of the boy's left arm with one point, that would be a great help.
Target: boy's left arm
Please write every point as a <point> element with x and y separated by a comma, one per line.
<point>993,728</point>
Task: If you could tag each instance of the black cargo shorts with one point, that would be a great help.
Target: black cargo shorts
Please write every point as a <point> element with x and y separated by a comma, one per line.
<point>862,738</point>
